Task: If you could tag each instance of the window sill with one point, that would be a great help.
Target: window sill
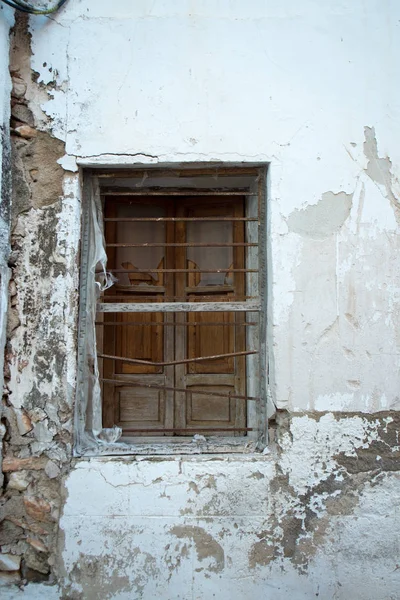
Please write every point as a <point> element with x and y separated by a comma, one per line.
<point>175,446</point>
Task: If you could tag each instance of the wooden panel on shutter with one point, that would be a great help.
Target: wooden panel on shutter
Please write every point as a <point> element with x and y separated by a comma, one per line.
<point>144,341</point>
<point>207,340</point>
<point>138,407</point>
<point>209,410</point>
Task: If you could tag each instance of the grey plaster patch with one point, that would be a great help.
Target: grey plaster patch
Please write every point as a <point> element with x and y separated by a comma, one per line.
<point>319,221</point>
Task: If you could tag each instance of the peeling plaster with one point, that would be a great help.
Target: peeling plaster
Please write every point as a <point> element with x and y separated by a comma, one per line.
<point>379,169</point>
<point>323,219</point>
<point>206,546</point>
<point>281,526</point>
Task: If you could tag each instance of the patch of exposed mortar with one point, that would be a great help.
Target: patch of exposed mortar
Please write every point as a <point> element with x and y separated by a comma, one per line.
<point>319,221</point>
<point>97,577</point>
<point>301,517</point>
<point>28,95</point>
<point>379,169</point>
<point>206,546</point>
<point>37,177</point>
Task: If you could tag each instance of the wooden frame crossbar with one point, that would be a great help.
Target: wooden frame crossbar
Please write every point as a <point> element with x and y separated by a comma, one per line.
<point>170,192</point>
<point>252,306</point>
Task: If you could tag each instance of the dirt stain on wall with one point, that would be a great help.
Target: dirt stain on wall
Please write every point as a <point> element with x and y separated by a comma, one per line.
<point>206,546</point>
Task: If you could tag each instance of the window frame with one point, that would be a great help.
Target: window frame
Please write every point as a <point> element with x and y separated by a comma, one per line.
<point>256,366</point>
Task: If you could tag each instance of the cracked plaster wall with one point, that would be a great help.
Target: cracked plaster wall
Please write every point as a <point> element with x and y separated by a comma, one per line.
<point>6,20</point>
<point>313,90</point>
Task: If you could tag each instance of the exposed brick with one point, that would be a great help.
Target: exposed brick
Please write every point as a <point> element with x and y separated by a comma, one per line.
<point>11,463</point>
<point>37,508</point>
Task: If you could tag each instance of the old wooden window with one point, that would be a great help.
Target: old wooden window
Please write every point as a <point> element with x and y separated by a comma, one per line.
<point>181,332</point>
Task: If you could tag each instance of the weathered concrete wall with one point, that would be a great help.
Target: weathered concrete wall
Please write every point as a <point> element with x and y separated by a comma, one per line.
<point>317,517</point>
<point>313,90</point>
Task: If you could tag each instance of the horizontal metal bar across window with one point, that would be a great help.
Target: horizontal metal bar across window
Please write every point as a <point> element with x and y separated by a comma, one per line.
<point>137,361</point>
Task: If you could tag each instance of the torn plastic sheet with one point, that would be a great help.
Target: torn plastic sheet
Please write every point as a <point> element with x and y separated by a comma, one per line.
<point>95,279</point>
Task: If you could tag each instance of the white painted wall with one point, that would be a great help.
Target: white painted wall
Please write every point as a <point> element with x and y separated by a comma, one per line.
<point>272,527</point>
<point>294,85</point>
<point>308,87</point>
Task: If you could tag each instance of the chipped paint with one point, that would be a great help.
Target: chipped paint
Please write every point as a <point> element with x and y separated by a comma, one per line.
<point>206,546</point>
<point>323,219</point>
<point>263,518</point>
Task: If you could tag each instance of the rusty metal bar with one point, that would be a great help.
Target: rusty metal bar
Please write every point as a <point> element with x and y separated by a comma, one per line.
<point>174,219</point>
<point>164,324</point>
<point>174,389</point>
<point>187,430</point>
<point>137,361</point>
<point>183,245</point>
